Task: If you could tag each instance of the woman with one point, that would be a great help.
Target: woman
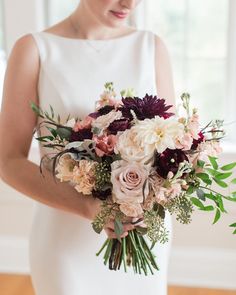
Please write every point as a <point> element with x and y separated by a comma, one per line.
<point>66,66</point>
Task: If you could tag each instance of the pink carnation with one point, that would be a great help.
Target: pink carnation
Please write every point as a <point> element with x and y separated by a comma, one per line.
<point>104,144</point>
<point>83,124</point>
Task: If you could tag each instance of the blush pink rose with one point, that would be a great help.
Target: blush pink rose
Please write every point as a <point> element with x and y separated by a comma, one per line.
<point>128,179</point>
<point>104,144</point>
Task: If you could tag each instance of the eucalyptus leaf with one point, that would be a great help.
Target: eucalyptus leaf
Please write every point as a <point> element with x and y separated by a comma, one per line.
<point>233,225</point>
<point>201,194</point>
<point>233,181</point>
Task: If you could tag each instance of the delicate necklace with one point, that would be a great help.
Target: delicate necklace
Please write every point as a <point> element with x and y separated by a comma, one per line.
<point>98,49</point>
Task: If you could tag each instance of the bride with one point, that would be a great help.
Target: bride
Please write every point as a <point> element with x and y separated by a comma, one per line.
<point>66,66</point>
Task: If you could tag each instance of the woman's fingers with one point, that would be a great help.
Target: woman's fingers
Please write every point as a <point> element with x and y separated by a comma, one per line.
<point>112,235</point>
<point>109,228</point>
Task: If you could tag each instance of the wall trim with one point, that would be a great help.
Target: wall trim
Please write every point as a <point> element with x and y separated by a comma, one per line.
<point>203,267</point>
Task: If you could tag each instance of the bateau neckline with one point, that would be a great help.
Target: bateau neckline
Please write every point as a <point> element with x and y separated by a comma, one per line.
<point>92,40</point>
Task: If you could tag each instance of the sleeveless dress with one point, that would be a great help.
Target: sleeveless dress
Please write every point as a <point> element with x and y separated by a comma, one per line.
<point>62,245</point>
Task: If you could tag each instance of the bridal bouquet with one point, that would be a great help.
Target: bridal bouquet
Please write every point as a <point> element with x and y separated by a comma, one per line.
<point>142,161</point>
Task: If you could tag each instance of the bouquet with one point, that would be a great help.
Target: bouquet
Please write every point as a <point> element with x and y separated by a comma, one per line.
<point>142,161</point>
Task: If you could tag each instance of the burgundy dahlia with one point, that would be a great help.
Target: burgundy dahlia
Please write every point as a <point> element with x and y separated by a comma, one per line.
<point>196,142</point>
<point>81,135</point>
<point>148,107</point>
<point>102,111</point>
<point>119,125</point>
<point>169,161</point>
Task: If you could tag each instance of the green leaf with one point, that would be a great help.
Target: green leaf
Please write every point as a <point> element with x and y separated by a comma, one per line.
<point>234,232</point>
<point>228,166</point>
<point>213,161</point>
<point>201,194</point>
<point>212,171</point>
<point>200,163</point>
<point>45,138</point>
<point>220,204</point>
<point>217,216</point>
<point>220,182</point>
<point>204,177</point>
<point>52,112</point>
<point>233,181</point>
<point>197,203</point>
<point>210,196</point>
<point>119,229</point>
<point>53,131</point>
<point>220,176</point>
<point>208,208</point>
<point>233,225</point>
<point>190,190</point>
<point>64,133</point>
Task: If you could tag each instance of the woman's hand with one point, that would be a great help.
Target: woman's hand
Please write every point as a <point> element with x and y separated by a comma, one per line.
<point>109,229</point>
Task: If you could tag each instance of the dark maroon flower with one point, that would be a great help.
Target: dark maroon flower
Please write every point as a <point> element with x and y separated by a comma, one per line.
<point>102,195</point>
<point>196,142</point>
<point>169,161</point>
<point>102,111</point>
<point>119,125</point>
<point>148,107</point>
<point>81,135</point>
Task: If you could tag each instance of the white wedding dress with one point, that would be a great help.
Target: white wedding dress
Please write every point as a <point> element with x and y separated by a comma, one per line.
<point>63,245</point>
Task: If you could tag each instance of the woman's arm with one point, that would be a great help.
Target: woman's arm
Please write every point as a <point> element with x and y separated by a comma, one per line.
<point>17,122</point>
<point>164,77</point>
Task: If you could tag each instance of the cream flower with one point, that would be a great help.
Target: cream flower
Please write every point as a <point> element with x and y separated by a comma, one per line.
<point>130,148</point>
<point>128,179</point>
<point>131,210</point>
<point>158,134</point>
<point>104,121</point>
<point>65,168</point>
<point>83,176</point>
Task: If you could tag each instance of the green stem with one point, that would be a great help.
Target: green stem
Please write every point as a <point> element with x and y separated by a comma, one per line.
<point>103,246</point>
<point>144,253</point>
<point>151,256</point>
<point>124,253</point>
<point>108,251</point>
<point>211,190</point>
